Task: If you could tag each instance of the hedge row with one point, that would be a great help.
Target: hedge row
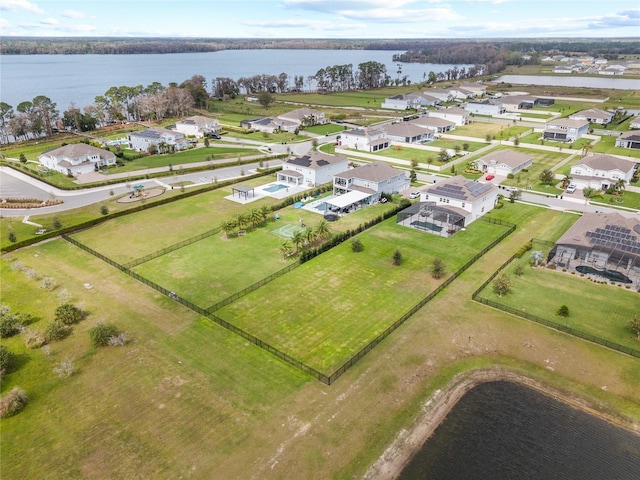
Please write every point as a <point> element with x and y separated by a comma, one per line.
<point>143,206</point>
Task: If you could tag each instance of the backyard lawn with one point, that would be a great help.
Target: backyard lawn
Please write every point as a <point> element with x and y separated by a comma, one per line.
<point>602,310</point>
<point>327,309</point>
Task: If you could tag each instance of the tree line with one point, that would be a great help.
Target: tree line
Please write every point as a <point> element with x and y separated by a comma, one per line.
<point>41,117</point>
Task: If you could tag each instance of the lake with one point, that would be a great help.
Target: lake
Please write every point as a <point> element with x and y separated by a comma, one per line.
<point>572,81</point>
<point>80,78</point>
<point>504,430</point>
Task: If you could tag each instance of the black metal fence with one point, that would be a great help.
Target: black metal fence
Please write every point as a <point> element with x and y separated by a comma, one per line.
<point>543,321</point>
<point>327,379</point>
<point>171,248</point>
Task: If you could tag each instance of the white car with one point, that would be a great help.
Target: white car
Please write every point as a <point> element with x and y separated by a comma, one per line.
<point>413,195</point>
<point>571,188</point>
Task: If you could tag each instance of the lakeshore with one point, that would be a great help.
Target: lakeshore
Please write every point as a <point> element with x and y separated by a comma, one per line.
<point>439,405</point>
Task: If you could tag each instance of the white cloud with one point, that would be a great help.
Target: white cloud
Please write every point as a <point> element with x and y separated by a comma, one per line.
<point>73,14</point>
<point>24,5</point>
<point>50,22</point>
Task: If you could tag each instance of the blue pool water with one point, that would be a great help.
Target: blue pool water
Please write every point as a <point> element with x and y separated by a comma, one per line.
<point>275,187</point>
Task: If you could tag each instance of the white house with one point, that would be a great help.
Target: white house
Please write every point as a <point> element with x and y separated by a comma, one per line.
<point>565,130</point>
<point>312,169</point>
<point>270,125</point>
<point>593,115</point>
<point>370,180</point>
<point>437,125</point>
<point>370,139</point>
<point>635,124</point>
<point>197,126</point>
<point>513,103</point>
<point>455,114</point>
<point>442,94</point>
<point>486,107</point>
<point>406,132</point>
<point>410,101</point>
<point>504,162</point>
<point>158,137</point>
<point>477,88</point>
<point>601,171</point>
<point>76,159</point>
<point>462,197</point>
<point>305,117</point>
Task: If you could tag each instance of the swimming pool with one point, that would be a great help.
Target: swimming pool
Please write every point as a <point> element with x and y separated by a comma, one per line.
<point>275,187</point>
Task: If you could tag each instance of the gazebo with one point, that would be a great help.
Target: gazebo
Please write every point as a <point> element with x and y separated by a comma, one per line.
<point>242,190</point>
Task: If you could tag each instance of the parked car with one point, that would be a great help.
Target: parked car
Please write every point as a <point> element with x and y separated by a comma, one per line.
<point>413,195</point>
<point>571,188</point>
<point>490,177</point>
<point>213,135</point>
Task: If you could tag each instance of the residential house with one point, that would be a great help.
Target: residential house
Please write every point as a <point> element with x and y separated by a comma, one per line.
<point>629,140</point>
<point>437,125</point>
<point>455,114</point>
<point>523,102</point>
<point>602,241</point>
<point>477,88</point>
<point>305,117</point>
<point>410,101</point>
<point>312,169</point>
<point>197,126</point>
<point>371,179</point>
<point>486,107</point>
<point>406,132</point>
<point>613,70</point>
<point>442,94</point>
<point>593,115</point>
<point>76,159</point>
<point>461,93</point>
<point>635,124</point>
<point>450,205</point>
<point>565,130</point>
<point>504,162</point>
<point>269,125</point>
<point>369,139</point>
<point>160,138</point>
<point>601,171</point>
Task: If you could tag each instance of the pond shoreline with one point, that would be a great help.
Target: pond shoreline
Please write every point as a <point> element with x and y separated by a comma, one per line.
<point>433,412</point>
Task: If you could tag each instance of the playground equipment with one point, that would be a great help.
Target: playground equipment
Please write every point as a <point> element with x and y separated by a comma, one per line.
<point>137,191</point>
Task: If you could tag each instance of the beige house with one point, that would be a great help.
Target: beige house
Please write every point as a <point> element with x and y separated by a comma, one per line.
<point>76,159</point>
<point>504,162</point>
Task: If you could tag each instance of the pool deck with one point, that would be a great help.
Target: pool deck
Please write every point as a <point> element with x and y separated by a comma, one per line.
<point>261,192</point>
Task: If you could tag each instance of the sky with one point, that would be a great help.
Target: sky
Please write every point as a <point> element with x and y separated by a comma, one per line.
<point>325,19</point>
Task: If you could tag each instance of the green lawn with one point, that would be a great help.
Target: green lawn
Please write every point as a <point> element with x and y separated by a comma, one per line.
<point>607,145</point>
<point>595,309</point>
<point>202,154</point>
<point>481,130</point>
<point>327,309</point>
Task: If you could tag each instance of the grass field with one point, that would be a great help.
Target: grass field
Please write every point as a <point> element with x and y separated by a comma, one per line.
<point>596,309</point>
<point>327,309</point>
<point>183,386</point>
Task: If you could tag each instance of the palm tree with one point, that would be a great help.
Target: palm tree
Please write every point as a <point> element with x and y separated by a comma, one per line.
<point>255,216</point>
<point>241,220</point>
<point>265,211</point>
<point>297,239</point>
<point>322,229</point>
<point>227,226</point>
<point>620,185</point>
<point>590,193</point>
<point>309,235</point>
<point>566,181</point>
<point>286,249</point>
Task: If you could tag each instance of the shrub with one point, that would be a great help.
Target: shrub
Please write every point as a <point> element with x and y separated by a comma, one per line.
<point>356,245</point>
<point>102,333</point>
<point>519,270</point>
<point>68,314</point>
<point>9,326</point>
<point>104,210</point>
<point>56,330</point>
<point>65,368</point>
<point>13,403</point>
<point>563,311</point>
<point>397,257</point>
<point>6,359</point>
